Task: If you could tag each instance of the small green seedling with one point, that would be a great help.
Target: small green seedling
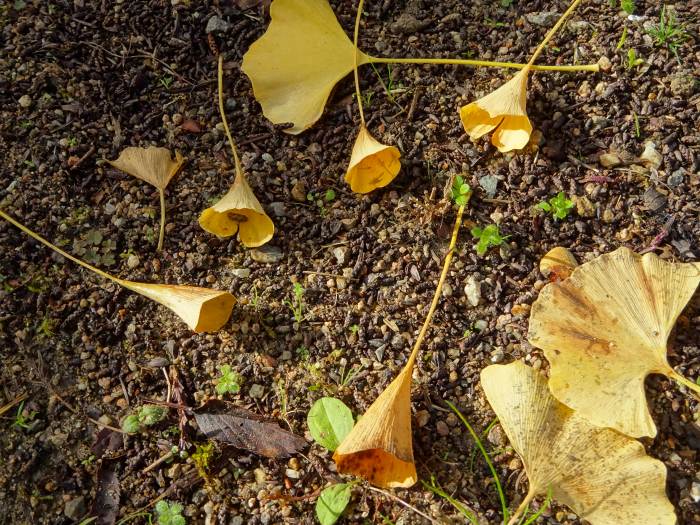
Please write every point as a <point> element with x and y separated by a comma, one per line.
<point>668,33</point>
<point>329,420</point>
<point>434,487</point>
<point>622,40</point>
<point>329,196</point>
<point>627,6</point>
<point>296,305</point>
<point>332,502</point>
<point>229,382</point>
<point>632,59</point>
<point>147,416</point>
<point>21,419</point>
<point>461,191</point>
<point>169,513</point>
<point>558,206</point>
<point>354,329</point>
<point>488,237</point>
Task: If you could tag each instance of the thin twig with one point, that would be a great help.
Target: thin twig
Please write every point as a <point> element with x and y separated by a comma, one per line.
<point>404,503</point>
<point>82,159</point>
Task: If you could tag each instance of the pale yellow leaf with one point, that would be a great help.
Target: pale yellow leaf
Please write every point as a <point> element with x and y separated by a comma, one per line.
<point>602,475</point>
<point>153,165</point>
<point>294,66</point>
<point>605,328</point>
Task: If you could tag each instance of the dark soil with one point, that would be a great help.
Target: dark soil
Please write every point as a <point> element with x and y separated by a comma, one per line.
<point>100,76</point>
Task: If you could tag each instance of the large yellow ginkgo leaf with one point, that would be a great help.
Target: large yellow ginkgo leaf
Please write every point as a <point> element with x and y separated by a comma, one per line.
<point>605,328</point>
<point>602,475</point>
<point>297,62</point>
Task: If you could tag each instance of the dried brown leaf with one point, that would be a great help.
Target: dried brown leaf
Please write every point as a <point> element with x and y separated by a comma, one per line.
<point>244,429</point>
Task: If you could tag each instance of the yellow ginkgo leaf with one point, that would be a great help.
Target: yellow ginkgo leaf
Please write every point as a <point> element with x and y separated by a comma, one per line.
<point>203,310</point>
<point>379,448</point>
<point>372,164</point>
<point>154,166</point>
<point>239,212</point>
<point>294,66</point>
<point>503,110</point>
<point>605,328</point>
<point>603,476</point>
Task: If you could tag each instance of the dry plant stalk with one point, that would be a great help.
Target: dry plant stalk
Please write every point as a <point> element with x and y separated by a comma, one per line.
<point>239,211</point>
<point>154,166</point>
<point>605,328</point>
<point>202,309</point>
<point>602,475</point>
<point>504,110</point>
<point>380,446</point>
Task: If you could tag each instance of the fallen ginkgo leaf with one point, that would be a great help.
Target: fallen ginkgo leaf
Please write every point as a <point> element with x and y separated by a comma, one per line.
<point>605,328</point>
<point>202,309</point>
<point>558,263</point>
<point>505,109</point>
<point>603,476</point>
<point>239,211</point>
<point>152,165</point>
<point>294,66</point>
<point>379,448</point>
<point>372,164</point>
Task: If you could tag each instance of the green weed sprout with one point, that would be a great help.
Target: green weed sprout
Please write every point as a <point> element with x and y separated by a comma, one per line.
<point>488,237</point>
<point>668,33</point>
<point>147,416</point>
<point>169,513</point>
<point>296,305</point>
<point>628,6</point>
<point>434,487</point>
<point>461,191</point>
<point>20,419</point>
<point>229,382</point>
<point>558,206</point>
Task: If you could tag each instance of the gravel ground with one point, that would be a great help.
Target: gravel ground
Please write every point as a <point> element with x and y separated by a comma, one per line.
<point>81,80</point>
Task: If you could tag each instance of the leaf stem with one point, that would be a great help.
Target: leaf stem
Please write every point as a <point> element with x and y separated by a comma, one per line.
<point>356,55</point>
<point>55,248</point>
<point>480,63</point>
<point>522,507</point>
<point>161,235</point>
<point>685,381</point>
<point>438,289</point>
<point>553,31</point>
<point>239,170</point>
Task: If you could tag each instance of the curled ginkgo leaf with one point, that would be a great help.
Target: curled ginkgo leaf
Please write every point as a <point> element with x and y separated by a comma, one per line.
<point>372,164</point>
<point>558,263</point>
<point>154,166</point>
<point>239,211</point>
<point>605,328</point>
<point>503,110</point>
<point>294,66</point>
<point>203,310</point>
<point>379,448</point>
<point>602,475</point>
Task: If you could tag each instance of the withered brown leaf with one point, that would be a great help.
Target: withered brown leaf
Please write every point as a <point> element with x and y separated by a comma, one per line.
<point>244,429</point>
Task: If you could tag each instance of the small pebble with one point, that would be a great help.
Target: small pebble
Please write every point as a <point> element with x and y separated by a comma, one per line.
<point>25,101</point>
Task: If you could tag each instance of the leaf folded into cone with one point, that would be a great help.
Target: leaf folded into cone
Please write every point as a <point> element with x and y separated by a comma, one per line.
<point>379,448</point>
<point>602,475</point>
<point>504,111</point>
<point>202,309</point>
<point>295,65</point>
<point>372,164</point>
<point>153,165</point>
<point>239,211</point>
<point>605,328</point>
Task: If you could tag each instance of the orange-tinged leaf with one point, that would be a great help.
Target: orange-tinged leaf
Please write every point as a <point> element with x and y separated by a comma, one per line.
<point>372,164</point>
